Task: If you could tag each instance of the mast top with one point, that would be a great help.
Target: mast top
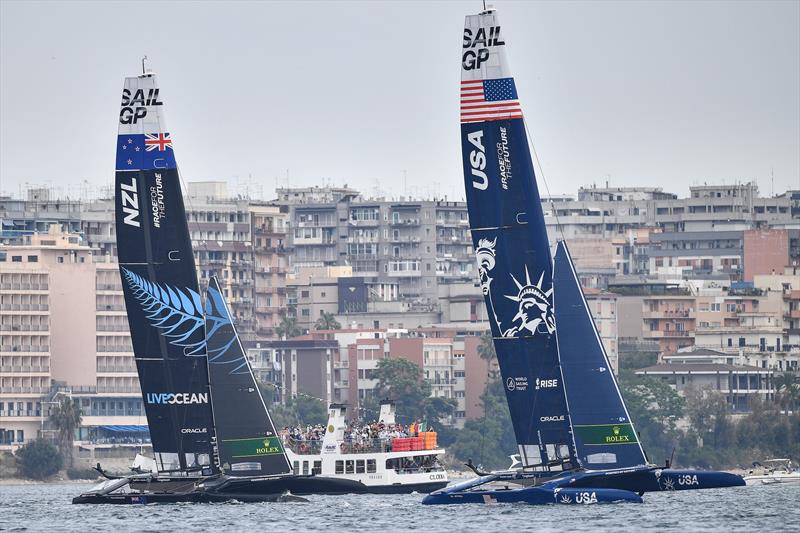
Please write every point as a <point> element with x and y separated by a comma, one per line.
<point>146,72</point>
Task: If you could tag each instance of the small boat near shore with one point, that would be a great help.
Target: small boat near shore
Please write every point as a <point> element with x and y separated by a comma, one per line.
<point>773,472</point>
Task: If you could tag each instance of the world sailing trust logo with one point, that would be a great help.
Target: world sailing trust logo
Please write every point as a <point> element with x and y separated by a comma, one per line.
<point>176,313</point>
<point>534,308</point>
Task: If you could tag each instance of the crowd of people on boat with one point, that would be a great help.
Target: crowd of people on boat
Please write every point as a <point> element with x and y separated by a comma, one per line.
<point>359,436</point>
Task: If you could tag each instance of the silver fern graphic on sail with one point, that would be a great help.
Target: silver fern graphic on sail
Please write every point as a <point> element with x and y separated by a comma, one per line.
<point>177,313</point>
<point>227,353</point>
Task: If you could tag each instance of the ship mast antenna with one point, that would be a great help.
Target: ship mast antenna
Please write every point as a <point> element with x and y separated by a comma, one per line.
<point>143,69</point>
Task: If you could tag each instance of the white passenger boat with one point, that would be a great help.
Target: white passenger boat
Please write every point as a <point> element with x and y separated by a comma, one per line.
<point>399,465</point>
<point>773,472</point>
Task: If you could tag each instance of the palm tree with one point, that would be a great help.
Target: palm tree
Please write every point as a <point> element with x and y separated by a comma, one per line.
<point>66,417</point>
<point>487,352</point>
<point>787,387</point>
<point>327,321</point>
<point>288,328</point>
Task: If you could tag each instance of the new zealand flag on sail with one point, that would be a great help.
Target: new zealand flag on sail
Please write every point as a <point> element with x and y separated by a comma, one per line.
<point>145,152</point>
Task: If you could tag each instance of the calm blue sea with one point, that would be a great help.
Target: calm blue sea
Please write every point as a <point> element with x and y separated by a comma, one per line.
<point>47,508</point>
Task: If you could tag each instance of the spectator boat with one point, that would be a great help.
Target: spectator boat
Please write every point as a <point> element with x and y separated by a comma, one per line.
<point>773,472</point>
<point>382,465</point>
<point>576,441</point>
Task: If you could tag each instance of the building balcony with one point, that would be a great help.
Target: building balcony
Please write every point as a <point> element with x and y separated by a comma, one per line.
<point>118,389</point>
<point>24,348</point>
<point>24,286</point>
<point>25,307</point>
<point>364,223</point>
<point>667,334</point>
<point>25,390</point>
<point>122,348</point>
<point>24,328</point>
<point>110,307</point>
<point>405,222</point>
<point>116,328</point>
<point>341,364</point>
<point>24,369</point>
<point>668,314</point>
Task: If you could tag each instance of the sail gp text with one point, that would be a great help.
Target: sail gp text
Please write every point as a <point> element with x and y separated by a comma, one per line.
<point>477,160</point>
<point>477,46</point>
<point>134,106</point>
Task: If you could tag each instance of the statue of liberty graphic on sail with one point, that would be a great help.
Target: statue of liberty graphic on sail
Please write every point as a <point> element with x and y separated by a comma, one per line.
<point>534,307</point>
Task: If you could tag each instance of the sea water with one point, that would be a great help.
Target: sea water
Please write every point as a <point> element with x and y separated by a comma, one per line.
<point>47,508</point>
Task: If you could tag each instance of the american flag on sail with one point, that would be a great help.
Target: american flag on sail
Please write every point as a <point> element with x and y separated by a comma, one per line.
<point>483,100</point>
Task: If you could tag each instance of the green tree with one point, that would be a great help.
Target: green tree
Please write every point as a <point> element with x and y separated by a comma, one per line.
<point>287,326</point>
<point>401,380</point>
<point>637,360</point>
<point>327,321</point>
<point>489,440</point>
<point>655,408</point>
<point>38,459</point>
<point>437,408</point>
<point>487,352</point>
<point>787,387</point>
<point>66,418</point>
<point>309,411</point>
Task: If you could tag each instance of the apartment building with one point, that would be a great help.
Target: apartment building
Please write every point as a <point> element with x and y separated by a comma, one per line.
<point>669,319</point>
<point>610,212</point>
<point>271,259</point>
<point>63,330</point>
<point>697,253</point>
<point>417,245</point>
<point>603,306</point>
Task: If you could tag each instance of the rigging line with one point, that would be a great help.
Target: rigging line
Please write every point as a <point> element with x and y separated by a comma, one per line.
<point>544,180</point>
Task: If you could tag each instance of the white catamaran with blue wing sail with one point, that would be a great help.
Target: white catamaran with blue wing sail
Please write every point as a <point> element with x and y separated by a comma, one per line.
<point>577,443</point>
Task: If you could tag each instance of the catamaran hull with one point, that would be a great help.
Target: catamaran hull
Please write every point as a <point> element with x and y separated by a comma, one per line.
<point>534,496</point>
<point>186,497</point>
<point>655,480</point>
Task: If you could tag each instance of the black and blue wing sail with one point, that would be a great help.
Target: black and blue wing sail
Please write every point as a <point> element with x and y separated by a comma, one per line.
<point>604,434</point>
<point>159,282</point>
<point>248,443</point>
<point>510,240</point>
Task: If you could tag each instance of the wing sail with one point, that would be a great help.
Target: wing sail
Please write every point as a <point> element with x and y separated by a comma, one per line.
<point>510,241</point>
<point>160,284</point>
<point>604,434</point>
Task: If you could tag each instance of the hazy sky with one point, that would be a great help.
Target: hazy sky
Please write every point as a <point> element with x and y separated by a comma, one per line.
<point>637,93</point>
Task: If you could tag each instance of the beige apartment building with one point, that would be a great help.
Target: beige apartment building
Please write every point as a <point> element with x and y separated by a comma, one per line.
<point>64,331</point>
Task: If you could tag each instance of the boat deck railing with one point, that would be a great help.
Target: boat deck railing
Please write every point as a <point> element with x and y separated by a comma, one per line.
<point>314,447</point>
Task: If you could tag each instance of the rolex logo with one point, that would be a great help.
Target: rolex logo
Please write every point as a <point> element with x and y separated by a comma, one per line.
<point>615,429</point>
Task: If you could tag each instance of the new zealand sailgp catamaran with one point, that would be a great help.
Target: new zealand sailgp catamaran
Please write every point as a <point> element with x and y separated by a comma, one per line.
<point>577,443</point>
<point>173,340</point>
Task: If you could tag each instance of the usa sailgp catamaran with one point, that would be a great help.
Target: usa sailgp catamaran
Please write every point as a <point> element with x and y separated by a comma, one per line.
<point>174,339</point>
<point>577,443</point>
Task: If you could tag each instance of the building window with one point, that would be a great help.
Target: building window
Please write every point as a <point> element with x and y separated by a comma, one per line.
<point>16,259</point>
<point>33,259</point>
